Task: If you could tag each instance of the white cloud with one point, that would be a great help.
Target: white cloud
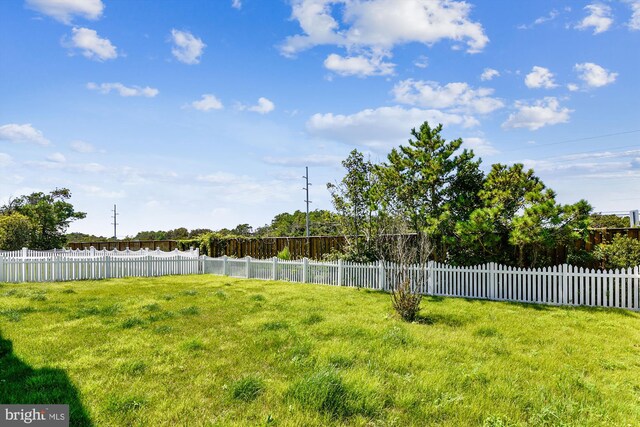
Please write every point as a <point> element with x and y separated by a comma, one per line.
<point>480,146</point>
<point>56,158</point>
<point>207,102</point>
<point>539,77</point>
<point>599,18</point>
<point>421,61</point>
<point>379,25</point>
<point>489,74</point>
<point>310,160</point>
<point>379,128</point>
<point>543,112</point>
<point>123,90</point>
<point>91,45</point>
<point>65,10</point>
<point>573,87</point>
<point>5,160</point>
<point>82,147</point>
<point>263,106</point>
<point>186,47</point>
<point>236,4</point>
<point>541,20</point>
<point>634,22</point>
<point>22,133</point>
<point>359,65</point>
<point>594,75</point>
<point>456,96</point>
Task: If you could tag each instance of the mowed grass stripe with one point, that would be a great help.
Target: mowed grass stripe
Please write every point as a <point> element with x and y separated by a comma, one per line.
<point>207,350</point>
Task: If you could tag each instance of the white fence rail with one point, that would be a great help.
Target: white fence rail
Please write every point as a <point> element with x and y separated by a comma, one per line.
<point>559,285</point>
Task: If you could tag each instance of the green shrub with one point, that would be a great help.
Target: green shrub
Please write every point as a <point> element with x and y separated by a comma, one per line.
<point>621,252</point>
<point>406,301</point>
<point>285,253</point>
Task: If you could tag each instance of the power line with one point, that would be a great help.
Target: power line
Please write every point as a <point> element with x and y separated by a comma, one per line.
<point>586,138</point>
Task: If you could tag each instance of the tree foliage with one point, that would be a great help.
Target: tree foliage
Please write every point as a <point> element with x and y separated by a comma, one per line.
<point>50,215</point>
<point>518,212</point>
<point>356,200</point>
<point>431,185</point>
<point>15,231</point>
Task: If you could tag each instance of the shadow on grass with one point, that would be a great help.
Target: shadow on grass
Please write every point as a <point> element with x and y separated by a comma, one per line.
<point>552,307</point>
<point>21,384</point>
<point>442,319</point>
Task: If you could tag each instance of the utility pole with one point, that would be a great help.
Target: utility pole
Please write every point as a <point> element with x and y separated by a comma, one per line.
<point>307,201</point>
<point>115,223</point>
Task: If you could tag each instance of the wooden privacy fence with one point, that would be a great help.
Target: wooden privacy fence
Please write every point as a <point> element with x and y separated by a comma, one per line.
<point>559,285</point>
<point>58,266</point>
<point>315,247</point>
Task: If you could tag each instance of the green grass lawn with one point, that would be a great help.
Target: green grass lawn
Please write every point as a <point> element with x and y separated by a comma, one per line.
<point>207,350</point>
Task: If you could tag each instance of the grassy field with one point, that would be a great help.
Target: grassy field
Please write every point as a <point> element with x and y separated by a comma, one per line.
<point>207,350</point>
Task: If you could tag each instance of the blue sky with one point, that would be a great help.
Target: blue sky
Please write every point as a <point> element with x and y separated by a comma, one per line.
<point>205,113</point>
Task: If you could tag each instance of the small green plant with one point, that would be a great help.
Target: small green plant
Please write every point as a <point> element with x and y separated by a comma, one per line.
<point>258,298</point>
<point>247,389</point>
<point>134,368</point>
<point>190,293</point>
<point>221,294</point>
<point>118,404</point>
<point>285,253</point>
<point>68,291</point>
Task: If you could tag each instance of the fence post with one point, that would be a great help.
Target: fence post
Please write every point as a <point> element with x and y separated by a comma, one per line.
<point>248,272</point>
<point>492,281</point>
<point>430,277</point>
<point>380,274</point>
<point>564,284</point>
<point>224,265</point>
<point>340,272</point>
<point>637,288</point>
<point>92,251</point>
<point>274,269</point>
<point>305,269</point>
<point>2,279</point>
<point>107,266</point>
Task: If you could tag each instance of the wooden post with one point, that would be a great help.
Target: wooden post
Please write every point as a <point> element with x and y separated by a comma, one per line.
<point>274,269</point>
<point>381,275</point>
<point>248,268</point>
<point>340,272</point>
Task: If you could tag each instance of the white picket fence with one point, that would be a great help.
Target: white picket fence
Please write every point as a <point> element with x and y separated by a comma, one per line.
<point>559,285</point>
<point>64,265</point>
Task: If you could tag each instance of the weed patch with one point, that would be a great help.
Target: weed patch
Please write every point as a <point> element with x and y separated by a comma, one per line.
<point>247,389</point>
<point>326,392</point>
<point>274,326</point>
<point>312,319</point>
<point>189,311</point>
<point>131,322</point>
